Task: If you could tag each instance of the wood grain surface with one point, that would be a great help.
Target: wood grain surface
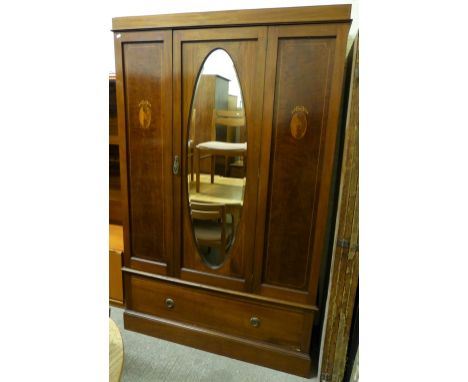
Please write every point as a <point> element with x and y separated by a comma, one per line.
<point>345,259</point>
<point>144,65</point>
<point>246,47</point>
<point>116,238</point>
<point>237,17</point>
<point>305,66</point>
<point>115,264</point>
<point>214,310</point>
<point>259,304</point>
<point>244,349</point>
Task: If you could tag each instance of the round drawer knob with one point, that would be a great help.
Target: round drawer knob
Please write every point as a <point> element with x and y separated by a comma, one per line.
<point>169,303</point>
<point>255,322</point>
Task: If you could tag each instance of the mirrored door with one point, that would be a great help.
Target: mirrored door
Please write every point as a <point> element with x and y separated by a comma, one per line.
<point>219,73</point>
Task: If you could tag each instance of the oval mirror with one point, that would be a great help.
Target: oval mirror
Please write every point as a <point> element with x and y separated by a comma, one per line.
<point>217,154</point>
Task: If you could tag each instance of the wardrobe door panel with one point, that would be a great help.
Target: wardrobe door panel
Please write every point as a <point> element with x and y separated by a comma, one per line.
<point>301,110</point>
<point>144,66</point>
<point>295,159</point>
<point>246,48</point>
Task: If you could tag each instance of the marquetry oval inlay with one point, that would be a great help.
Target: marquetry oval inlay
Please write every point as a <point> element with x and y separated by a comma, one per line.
<point>144,115</point>
<point>298,123</point>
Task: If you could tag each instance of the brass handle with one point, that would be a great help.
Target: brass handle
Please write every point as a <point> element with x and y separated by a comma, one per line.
<point>169,303</point>
<point>175,165</point>
<point>255,322</point>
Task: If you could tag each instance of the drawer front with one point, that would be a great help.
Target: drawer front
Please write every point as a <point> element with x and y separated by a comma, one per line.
<point>273,324</point>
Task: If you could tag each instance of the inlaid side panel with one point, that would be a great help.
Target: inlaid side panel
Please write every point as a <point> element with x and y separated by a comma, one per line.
<point>299,113</point>
<point>146,92</point>
<point>304,67</point>
<point>145,149</point>
<point>303,82</point>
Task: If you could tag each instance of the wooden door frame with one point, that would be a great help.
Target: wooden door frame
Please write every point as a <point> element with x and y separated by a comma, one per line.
<point>252,95</point>
<point>344,270</point>
<point>130,259</point>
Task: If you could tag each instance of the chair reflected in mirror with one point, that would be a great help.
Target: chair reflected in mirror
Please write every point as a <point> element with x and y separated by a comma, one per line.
<point>234,144</point>
<point>213,230</point>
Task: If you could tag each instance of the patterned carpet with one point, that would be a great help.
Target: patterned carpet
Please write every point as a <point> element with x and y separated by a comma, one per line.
<point>151,359</point>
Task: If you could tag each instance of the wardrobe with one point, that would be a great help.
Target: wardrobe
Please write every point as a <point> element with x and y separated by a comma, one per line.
<point>226,258</point>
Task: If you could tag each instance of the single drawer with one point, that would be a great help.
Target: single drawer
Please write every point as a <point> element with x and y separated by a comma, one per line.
<point>274,324</point>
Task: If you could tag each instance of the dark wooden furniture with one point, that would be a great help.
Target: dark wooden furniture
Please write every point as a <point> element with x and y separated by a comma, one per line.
<point>115,205</point>
<point>260,304</point>
<point>115,264</point>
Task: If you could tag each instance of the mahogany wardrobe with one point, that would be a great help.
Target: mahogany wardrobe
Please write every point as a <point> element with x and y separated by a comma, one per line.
<point>228,128</point>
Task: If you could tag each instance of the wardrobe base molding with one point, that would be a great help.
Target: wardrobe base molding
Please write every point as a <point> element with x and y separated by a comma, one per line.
<point>212,341</point>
